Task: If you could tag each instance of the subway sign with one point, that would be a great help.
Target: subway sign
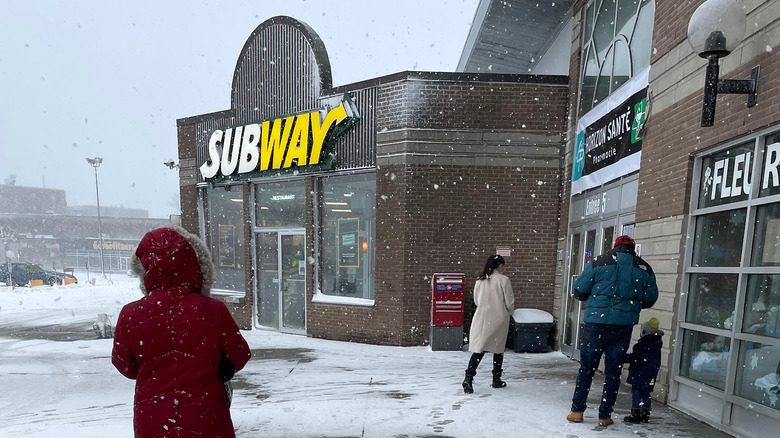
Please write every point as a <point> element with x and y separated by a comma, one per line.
<point>299,142</point>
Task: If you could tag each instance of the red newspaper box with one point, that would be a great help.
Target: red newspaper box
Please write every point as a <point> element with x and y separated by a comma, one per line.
<point>447,307</point>
<point>447,300</point>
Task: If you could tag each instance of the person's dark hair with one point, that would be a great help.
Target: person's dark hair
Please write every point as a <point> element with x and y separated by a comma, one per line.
<point>491,264</point>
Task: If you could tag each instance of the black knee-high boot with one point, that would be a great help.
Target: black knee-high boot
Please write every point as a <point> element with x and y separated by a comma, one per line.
<point>471,371</point>
<point>498,362</point>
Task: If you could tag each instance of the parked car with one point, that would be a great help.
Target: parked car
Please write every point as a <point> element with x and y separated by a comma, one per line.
<point>22,273</point>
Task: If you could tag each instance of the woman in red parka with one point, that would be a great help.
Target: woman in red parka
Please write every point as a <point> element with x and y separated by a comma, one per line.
<point>176,342</point>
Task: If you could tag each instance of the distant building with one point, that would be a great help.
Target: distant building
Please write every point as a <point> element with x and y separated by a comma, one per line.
<point>37,226</point>
<point>117,212</point>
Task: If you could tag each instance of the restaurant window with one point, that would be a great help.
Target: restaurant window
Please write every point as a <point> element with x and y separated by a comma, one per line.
<point>616,46</point>
<point>347,206</point>
<point>281,204</point>
<point>225,235</point>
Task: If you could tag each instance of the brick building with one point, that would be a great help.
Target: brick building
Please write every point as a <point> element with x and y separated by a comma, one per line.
<point>701,201</point>
<point>587,127</point>
<point>431,172</point>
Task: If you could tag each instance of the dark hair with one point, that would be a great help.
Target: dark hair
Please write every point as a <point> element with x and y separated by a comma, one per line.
<point>491,264</point>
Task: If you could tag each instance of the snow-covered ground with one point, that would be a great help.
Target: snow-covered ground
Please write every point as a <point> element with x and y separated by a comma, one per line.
<point>56,379</point>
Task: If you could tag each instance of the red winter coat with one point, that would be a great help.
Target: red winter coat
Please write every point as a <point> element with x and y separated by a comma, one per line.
<point>172,340</point>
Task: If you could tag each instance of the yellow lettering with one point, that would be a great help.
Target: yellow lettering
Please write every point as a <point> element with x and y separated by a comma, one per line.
<point>299,142</point>
<point>274,143</point>
<point>320,132</point>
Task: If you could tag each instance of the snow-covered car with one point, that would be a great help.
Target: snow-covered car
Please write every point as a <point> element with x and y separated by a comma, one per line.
<point>22,273</point>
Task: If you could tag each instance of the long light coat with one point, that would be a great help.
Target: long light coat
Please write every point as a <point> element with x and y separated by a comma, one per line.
<point>495,303</point>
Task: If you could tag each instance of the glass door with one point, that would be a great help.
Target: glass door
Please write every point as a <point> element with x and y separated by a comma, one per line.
<point>267,277</point>
<point>572,305</point>
<point>582,250</point>
<point>292,271</point>
<point>281,280</point>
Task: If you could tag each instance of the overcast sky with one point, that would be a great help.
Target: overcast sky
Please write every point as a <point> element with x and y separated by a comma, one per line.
<point>87,78</point>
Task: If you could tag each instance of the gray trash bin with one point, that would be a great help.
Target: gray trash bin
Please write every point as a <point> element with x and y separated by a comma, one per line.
<point>531,330</point>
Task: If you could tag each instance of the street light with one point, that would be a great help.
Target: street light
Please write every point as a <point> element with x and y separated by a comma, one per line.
<point>715,29</point>
<point>95,162</point>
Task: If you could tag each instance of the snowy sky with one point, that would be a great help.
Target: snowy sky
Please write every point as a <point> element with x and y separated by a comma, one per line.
<point>89,78</point>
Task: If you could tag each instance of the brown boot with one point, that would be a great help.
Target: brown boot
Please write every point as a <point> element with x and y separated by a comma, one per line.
<point>574,417</point>
<point>604,422</point>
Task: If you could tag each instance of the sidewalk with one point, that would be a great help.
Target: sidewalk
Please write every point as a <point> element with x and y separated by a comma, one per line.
<point>301,387</point>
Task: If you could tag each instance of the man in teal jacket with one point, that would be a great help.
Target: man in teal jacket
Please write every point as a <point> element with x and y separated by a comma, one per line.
<point>616,286</point>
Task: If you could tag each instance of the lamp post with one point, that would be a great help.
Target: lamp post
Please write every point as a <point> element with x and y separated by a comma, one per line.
<point>715,29</point>
<point>95,162</point>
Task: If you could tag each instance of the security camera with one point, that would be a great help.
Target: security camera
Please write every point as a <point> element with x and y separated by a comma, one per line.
<point>171,164</point>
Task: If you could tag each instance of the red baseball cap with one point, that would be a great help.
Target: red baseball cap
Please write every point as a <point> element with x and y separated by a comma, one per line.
<point>624,240</point>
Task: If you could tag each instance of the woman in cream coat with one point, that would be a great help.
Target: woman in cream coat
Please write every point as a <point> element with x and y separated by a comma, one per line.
<point>490,326</point>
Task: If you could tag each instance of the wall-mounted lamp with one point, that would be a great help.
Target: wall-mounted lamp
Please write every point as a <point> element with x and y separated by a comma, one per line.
<point>714,30</point>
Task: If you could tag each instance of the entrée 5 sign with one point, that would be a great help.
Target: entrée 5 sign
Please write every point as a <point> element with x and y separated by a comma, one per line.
<point>276,145</point>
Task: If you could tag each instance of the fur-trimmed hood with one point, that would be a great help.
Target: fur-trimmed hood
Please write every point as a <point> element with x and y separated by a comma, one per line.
<point>171,256</point>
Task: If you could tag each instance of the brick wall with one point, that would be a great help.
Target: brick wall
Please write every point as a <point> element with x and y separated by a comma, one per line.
<point>434,215</point>
<point>674,133</point>
<point>472,105</point>
<point>188,193</point>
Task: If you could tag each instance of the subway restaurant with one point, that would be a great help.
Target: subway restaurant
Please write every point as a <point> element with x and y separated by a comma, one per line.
<point>328,209</point>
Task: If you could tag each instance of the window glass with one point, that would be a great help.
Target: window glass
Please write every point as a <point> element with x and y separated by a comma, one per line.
<point>621,70</point>
<point>605,25</point>
<point>607,238</point>
<point>766,240</point>
<point>626,13</point>
<point>616,46</point>
<point>726,176</point>
<point>718,238</point>
<point>704,358</point>
<point>711,299</point>
<point>641,39</point>
<point>602,82</point>
<point>589,78</point>
<point>348,208</point>
<point>758,373</point>
<point>770,175</point>
<point>762,306</point>
<point>281,204</point>
<point>225,230</point>
<point>589,17</point>
<point>590,245</point>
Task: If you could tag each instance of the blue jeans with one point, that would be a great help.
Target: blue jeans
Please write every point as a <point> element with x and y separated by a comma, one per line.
<point>597,340</point>
<point>640,398</point>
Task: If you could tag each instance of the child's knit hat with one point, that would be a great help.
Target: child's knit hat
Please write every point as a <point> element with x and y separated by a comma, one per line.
<point>650,327</point>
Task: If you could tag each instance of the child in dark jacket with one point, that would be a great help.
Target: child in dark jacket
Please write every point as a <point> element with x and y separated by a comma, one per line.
<point>645,360</point>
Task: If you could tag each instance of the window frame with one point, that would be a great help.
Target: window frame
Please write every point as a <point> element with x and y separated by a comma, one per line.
<point>735,336</point>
